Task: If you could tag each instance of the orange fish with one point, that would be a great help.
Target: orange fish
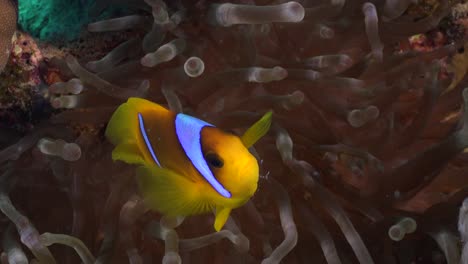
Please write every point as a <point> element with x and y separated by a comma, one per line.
<point>186,166</point>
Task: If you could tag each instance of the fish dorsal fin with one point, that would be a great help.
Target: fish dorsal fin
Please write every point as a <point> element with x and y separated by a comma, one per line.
<point>257,130</point>
<point>188,130</point>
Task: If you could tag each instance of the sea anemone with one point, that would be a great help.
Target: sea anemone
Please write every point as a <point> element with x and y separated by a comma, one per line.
<point>364,162</point>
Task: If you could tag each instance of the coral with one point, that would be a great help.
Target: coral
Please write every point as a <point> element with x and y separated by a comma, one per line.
<point>364,162</point>
<point>8,16</point>
<point>21,95</point>
<point>57,20</point>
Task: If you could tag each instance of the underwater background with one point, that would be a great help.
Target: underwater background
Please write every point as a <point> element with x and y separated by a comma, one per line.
<point>365,160</point>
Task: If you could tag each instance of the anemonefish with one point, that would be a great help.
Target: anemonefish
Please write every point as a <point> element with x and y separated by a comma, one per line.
<point>186,166</point>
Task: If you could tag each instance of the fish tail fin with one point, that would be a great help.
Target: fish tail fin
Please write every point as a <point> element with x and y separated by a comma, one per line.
<point>123,131</point>
<point>170,193</point>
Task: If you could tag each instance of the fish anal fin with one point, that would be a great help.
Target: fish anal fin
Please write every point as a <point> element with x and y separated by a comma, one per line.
<point>170,193</point>
<point>129,153</point>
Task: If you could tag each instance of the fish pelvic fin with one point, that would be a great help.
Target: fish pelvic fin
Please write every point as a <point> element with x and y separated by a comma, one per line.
<point>221,216</point>
<point>170,193</point>
<point>257,130</point>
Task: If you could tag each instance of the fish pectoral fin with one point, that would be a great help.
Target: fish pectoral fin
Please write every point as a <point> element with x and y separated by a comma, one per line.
<point>128,152</point>
<point>257,130</point>
<point>170,193</point>
<point>221,216</point>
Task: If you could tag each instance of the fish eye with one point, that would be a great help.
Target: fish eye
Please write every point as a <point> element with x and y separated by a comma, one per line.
<point>214,160</point>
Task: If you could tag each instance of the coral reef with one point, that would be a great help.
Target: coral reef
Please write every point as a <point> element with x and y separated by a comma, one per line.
<point>56,20</point>
<point>365,161</point>
<point>21,90</point>
<point>8,16</point>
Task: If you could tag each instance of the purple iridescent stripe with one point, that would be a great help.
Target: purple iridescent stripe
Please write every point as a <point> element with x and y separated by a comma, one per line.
<point>188,131</point>
<point>145,137</point>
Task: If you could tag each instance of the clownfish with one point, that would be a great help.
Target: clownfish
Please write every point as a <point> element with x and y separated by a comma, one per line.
<point>186,166</point>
